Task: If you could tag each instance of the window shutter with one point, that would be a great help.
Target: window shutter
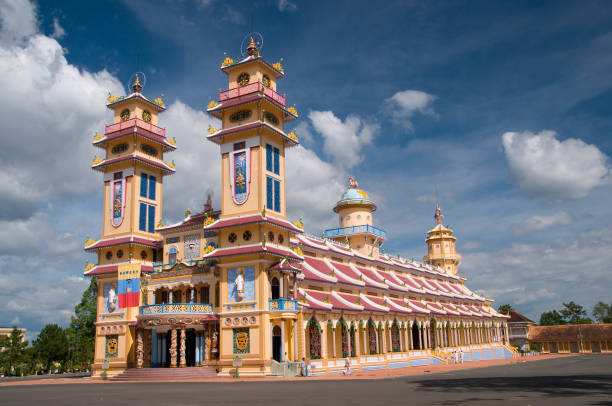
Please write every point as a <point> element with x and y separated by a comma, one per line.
<point>269,157</point>
<point>151,219</point>
<point>277,205</point>
<point>269,193</point>
<point>142,220</point>
<point>152,184</point>
<point>276,161</point>
<point>143,184</point>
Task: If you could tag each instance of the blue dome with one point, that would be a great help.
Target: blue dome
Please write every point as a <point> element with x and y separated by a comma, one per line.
<point>354,194</point>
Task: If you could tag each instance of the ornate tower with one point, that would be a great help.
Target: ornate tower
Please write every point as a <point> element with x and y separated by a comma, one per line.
<point>441,246</point>
<point>355,214</point>
<point>253,232</point>
<point>133,169</point>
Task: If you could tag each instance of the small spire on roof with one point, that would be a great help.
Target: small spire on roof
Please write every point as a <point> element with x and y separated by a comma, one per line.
<point>438,214</point>
<point>252,48</point>
<point>137,86</point>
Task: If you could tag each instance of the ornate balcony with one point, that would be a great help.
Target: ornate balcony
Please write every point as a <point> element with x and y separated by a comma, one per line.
<point>251,88</point>
<point>135,122</point>
<point>341,231</point>
<point>176,308</point>
<point>283,305</point>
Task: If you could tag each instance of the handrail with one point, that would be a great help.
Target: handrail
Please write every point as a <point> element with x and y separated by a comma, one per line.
<point>176,308</point>
<point>250,89</point>
<point>135,122</point>
<point>335,232</point>
<point>276,305</point>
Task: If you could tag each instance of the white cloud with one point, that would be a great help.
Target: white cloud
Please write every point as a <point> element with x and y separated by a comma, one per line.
<point>406,103</point>
<point>343,141</point>
<point>544,166</point>
<point>538,223</point>
<point>286,5</point>
<point>58,30</point>
<point>18,20</point>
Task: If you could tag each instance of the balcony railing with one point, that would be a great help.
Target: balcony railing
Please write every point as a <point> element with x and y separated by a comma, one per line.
<point>135,122</point>
<point>337,232</point>
<point>250,89</point>
<point>159,266</point>
<point>166,308</point>
<point>280,305</point>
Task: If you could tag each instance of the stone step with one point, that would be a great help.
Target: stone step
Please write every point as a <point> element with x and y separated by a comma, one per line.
<point>170,374</point>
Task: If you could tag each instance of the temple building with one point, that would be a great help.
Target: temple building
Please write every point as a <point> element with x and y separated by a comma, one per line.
<point>246,283</point>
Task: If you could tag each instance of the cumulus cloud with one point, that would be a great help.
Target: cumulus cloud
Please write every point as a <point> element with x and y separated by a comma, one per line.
<point>403,105</point>
<point>544,166</point>
<point>538,223</point>
<point>18,20</point>
<point>343,140</point>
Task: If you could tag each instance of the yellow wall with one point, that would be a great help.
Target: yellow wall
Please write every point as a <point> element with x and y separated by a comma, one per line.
<point>136,107</point>
<point>354,216</point>
<point>255,71</point>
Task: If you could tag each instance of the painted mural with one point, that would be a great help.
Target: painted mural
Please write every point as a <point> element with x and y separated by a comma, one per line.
<point>118,199</point>
<point>110,298</point>
<point>241,177</point>
<point>241,341</point>
<point>241,284</point>
<point>192,246</point>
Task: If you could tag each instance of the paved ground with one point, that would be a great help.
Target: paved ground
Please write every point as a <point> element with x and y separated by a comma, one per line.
<point>577,380</point>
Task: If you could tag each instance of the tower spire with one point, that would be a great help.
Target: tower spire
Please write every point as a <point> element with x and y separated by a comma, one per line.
<point>438,214</point>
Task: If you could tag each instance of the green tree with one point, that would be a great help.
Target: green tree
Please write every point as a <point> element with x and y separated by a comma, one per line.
<point>602,312</point>
<point>551,318</point>
<point>573,313</point>
<point>51,345</point>
<point>12,355</point>
<point>505,309</point>
<point>82,331</point>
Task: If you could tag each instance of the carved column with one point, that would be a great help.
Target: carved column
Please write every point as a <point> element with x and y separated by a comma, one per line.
<point>139,349</point>
<point>173,349</point>
<point>183,349</point>
<point>207,344</point>
<point>148,349</point>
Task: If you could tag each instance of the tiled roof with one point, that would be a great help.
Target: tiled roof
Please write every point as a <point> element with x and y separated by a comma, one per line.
<point>112,268</point>
<point>572,332</point>
<point>252,219</point>
<point>113,242</point>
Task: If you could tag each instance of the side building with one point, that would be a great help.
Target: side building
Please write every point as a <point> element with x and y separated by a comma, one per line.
<point>246,282</point>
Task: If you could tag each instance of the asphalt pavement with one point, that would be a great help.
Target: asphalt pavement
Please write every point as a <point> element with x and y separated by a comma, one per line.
<point>579,380</point>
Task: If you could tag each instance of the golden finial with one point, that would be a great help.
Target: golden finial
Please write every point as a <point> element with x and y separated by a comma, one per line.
<point>252,48</point>
<point>137,86</point>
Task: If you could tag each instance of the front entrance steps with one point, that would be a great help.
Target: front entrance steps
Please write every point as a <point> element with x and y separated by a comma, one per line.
<point>166,374</point>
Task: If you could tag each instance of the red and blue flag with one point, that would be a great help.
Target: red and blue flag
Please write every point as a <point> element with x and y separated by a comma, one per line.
<point>128,285</point>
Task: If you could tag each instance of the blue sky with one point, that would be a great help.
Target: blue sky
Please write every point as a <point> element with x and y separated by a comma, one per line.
<point>502,107</point>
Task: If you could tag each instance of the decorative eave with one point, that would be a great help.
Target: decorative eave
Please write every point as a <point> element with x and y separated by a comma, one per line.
<point>112,269</point>
<point>131,239</point>
<point>345,303</point>
<point>286,265</point>
<point>101,141</point>
<point>253,219</point>
<point>166,168</point>
<point>394,306</point>
<point>217,110</point>
<point>253,59</point>
<point>371,305</point>
<point>217,137</point>
<point>417,307</point>
<point>258,248</point>
<point>135,96</point>
<point>191,222</point>
<point>313,302</point>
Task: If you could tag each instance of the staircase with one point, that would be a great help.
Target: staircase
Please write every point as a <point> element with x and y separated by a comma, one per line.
<point>165,374</point>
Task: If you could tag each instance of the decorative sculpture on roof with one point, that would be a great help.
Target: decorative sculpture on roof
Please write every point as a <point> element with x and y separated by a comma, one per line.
<point>438,214</point>
<point>353,183</point>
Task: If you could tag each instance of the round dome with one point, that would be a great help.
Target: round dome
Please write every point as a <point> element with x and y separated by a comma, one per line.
<point>354,197</point>
<point>354,194</point>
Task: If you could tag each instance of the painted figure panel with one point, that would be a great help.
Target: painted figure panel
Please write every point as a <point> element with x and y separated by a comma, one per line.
<point>241,341</point>
<point>192,246</point>
<point>110,297</point>
<point>241,284</point>
<point>315,340</point>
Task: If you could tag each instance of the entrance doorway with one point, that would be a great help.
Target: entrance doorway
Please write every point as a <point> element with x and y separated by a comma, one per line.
<point>277,344</point>
<point>275,288</point>
<point>190,347</point>
<point>415,337</point>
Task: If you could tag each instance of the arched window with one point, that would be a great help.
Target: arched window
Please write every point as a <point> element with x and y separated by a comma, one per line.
<point>314,335</point>
<point>275,288</point>
<point>372,337</point>
<point>172,255</point>
<point>395,337</point>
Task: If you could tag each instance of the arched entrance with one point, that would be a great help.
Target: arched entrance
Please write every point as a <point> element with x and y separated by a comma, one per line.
<point>371,337</point>
<point>277,343</point>
<point>433,329</point>
<point>314,339</point>
<point>275,288</point>
<point>395,337</point>
<point>415,337</point>
<point>352,329</point>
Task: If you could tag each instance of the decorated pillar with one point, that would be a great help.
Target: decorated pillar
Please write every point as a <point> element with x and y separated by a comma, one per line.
<point>183,349</point>
<point>139,349</point>
<point>357,341</point>
<point>147,354</point>
<point>173,352</point>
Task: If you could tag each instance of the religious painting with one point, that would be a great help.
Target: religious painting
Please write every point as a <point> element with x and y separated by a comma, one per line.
<point>110,298</point>
<point>192,246</point>
<point>241,340</point>
<point>315,339</point>
<point>112,346</point>
<point>241,177</point>
<point>118,201</point>
<point>395,338</point>
<point>241,284</point>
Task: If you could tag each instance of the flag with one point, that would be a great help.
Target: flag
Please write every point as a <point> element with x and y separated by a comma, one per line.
<point>128,285</point>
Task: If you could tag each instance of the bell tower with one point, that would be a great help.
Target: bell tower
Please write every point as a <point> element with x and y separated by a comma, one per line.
<point>441,246</point>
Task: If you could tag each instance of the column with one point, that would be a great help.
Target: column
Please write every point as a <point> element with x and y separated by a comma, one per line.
<point>348,339</point>
<point>366,341</point>
<point>357,341</point>
<point>378,349</point>
<point>173,349</point>
<point>390,337</point>
<point>334,344</point>
<point>383,346</point>
<point>139,349</point>
<point>183,349</point>
<point>410,336</point>
<point>147,347</point>
<point>420,330</point>
<point>324,353</point>
<point>428,337</point>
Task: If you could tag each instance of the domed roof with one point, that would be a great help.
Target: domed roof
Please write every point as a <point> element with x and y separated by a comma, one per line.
<point>353,196</point>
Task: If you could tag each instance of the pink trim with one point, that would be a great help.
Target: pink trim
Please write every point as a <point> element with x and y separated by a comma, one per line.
<point>135,122</point>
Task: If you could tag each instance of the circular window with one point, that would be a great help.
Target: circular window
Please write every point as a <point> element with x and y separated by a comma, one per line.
<point>117,149</point>
<point>265,80</point>
<point>281,239</point>
<point>246,236</point>
<point>270,117</point>
<point>120,254</point>
<point>232,237</point>
<point>109,254</point>
<point>240,115</point>
<point>271,236</point>
<point>243,79</point>
<point>143,254</point>
<point>125,115</point>
<point>146,116</point>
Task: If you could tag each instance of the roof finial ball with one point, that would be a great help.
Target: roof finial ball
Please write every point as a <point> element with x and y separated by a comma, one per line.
<point>252,49</point>
<point>137,86</point>
<point>438,214</point>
